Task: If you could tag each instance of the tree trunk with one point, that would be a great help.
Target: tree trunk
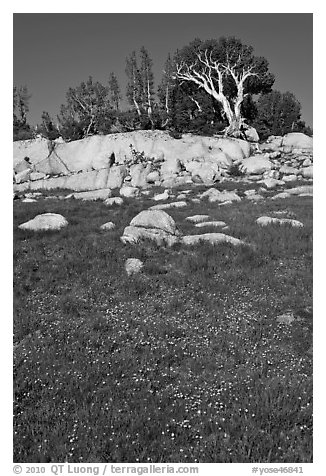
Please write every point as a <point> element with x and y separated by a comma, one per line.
<point>233,129</point>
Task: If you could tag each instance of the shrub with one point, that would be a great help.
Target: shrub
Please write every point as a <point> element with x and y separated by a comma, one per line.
<point>234,171</point>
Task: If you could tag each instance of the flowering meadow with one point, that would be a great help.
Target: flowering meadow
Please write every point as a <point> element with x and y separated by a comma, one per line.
<point>186,361</point>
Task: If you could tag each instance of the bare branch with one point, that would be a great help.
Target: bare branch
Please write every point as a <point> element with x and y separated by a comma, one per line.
<point>197,103</point>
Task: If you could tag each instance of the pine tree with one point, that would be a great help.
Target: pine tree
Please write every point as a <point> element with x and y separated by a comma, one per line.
<point>147,83</point>
<point>114,91</point>
<point>134,86</point>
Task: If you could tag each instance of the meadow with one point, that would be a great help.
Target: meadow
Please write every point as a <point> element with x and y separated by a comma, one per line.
<point>184,362</point>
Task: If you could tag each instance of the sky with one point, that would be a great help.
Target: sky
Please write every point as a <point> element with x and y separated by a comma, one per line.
<point>55,51</point>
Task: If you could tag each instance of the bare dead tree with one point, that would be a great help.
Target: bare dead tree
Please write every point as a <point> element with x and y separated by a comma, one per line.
<point>211,76</point>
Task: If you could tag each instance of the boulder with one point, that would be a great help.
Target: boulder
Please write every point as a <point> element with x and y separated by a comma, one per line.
<point>273,143</point>
<point>155,225</point>
<point>218,159</point>
<point>281,195</point>
<point>155,219</point>
<point>22,166</point>
<point>271,183</point>
<point>113,201</point>
<point>215,195</point>
<point>35,149</point>
<point>306,163</point>
<point>133,234</point>
<point>93,195</point>
<point>287,170</point>
<point>286,318</point>
<point>251,134</point>
<point>212,238</point>
<point>129,192</point>
<point>153,176</point>
<point>49,184</point>
<point>289,178</point>
<point>138,173</point>
<point>307,172</point>
<point>107,226</point>
<point>169,181</point>
<point>29,200</point>
<point>37,176</point>
<point>255,198</point>
<point>302,189</point>
<point>271,174</point>
<point>116,176</point>
<point>235,149</point>
<point>206,173</point>
<point>216,224</point>
<point>45,222</point>
<point>133,266</point>
<point>297,140</point>
<point>170,166</point>
<point>86,181</point>
<point>198,218</point>
<point>256,164</point>
<point>164,206</point>
<point>265,220</point>
<point>162,196</point>
<point>23,176</point>
<point>53,165</point>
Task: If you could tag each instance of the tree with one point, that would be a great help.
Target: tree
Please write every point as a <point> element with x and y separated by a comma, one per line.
<point>21,129</point>
<point>140,87</point>
<point>47,128</point>
<point>134,88</point>
<point>227,71</point>
<point>165,90</point>
<point>147,83</point>
<point>88,111</point>
<point>114,91</point>
<point>277,114</point>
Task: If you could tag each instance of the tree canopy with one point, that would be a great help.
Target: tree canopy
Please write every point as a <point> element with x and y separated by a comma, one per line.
<point>207,87</point>
<point>226,70</point>
<point>277,114</point>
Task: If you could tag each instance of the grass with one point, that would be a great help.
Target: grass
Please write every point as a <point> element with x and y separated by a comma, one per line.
<point>184,362</point>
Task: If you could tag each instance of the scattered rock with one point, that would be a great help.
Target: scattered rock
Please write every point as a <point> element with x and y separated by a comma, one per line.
<point>165,206</point>
<point>45,222</point>
<point>113,201</point>
<point>307,172</point>
<point>129,192</point>
<point>290,178</point>
<point>155,219</point>
<point>139,173</point>
<point>210,223</point>
<point>116,176</point>
<point>37,175</point>
<point>255,197</point>
<point>93,195</point>
<point>23,176</point>
<point>297,140</point>
<point>265,220</point>
<point>162,196</point>
<point>215,195</point>
<point>256,164</point>
<point>271,183</point>
<point>155,225</point>
<point>153,176</point>
<point>107,226</point>
<point>281,195</point>
<point>212,238</point>
<point>286,318</point>
<point>133,266</point>
<point>198,218</point>
<point>170,166</point>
